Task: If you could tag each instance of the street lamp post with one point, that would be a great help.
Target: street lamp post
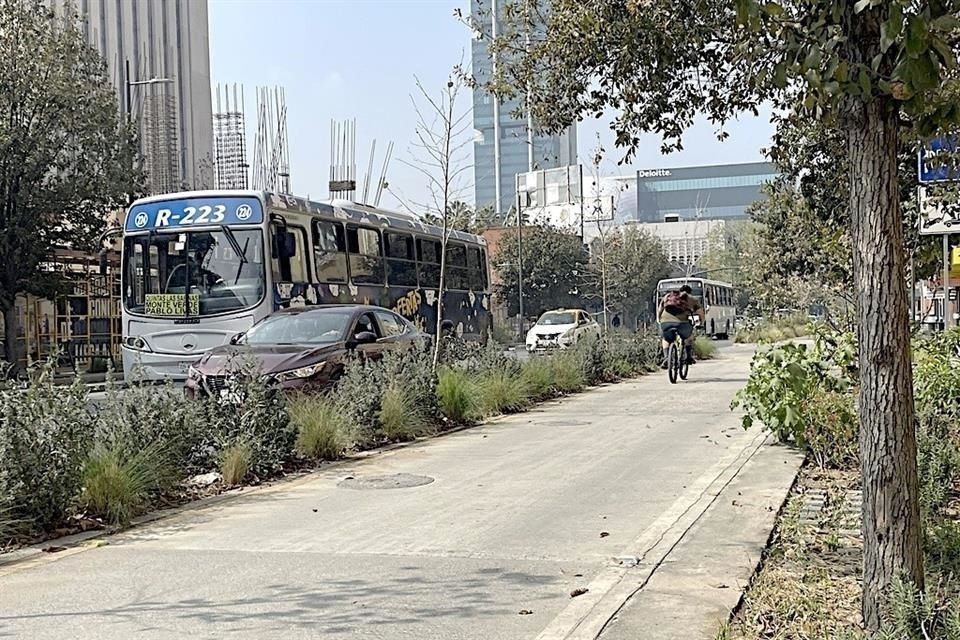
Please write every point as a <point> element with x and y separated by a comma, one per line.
<point>130,84</point>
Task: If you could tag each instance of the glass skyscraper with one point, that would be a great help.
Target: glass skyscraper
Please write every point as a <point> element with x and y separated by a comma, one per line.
<point>548,151</point>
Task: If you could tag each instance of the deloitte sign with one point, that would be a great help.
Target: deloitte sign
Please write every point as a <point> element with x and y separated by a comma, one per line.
<point>653,173</point>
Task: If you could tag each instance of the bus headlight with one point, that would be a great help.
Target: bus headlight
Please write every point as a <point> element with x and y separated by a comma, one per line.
<point>136,342</point>
<point>302,372</point>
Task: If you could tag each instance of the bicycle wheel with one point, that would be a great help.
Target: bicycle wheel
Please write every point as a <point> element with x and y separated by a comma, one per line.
<point>673,363</point>
<point>684,364</point>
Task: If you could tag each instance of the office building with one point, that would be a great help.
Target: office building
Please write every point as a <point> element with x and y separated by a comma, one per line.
<point>165,45</point>
<point>548,151</point>
<point>690,193</point>
<point>685,242</point>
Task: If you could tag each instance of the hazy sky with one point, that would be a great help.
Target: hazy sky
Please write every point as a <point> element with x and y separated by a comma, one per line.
<point>341,59</point>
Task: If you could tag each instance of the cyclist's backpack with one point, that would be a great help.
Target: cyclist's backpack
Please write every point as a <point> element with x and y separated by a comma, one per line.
<point>674,302</point>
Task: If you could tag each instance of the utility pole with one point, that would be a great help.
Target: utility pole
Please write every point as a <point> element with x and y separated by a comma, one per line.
<point>516,189</point>
<point>496,116</point>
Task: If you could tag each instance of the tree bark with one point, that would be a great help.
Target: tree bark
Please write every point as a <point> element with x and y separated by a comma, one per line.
<point>891,512</point>
<point>9,334</point>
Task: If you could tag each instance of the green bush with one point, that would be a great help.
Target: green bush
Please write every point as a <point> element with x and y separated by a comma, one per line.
<point>117,482</point>
<point>831,429</point>
<point>503,392</point>
<point>912,615</point>
<point>144,414</point>
<point>458,395</point>
<point>537,376</point>
<point>401,418</point>
<point>322,433</point>
<point>938,460</point>
<point>704,348</point>
<point>782,390</point>
<point>568,375</point>
<point>46,432</point>
<point>236,462</point>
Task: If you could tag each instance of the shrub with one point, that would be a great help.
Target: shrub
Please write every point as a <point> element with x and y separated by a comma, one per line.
<point>938,461</point>
<point>704,348</point>
<point>500,334</point>
<point>322,433</point>
<point>831,429</point>
<point>358,394</point>
<point>117,483</point>
<point>503,392</point>
<point>412,370</point>
<point>782,388</point>
<point>537,376</point>
<point>401,418</point>
<point>913,615</point>
<point>45,434</point>
<point>144,414</point>
<point>458,395</point>
<point>568,376</point>
<point>236,463</point>
<point>254,412</point>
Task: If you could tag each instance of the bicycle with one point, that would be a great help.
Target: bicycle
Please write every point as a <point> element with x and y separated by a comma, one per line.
<point>677,363</point>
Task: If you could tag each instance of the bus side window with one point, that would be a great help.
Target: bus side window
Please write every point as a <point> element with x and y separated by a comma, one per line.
<point>485,275</point>
<point>329,251</point>
<point>475,268</point>
<point>401,259</point>
<point>366,255</point>
<point>428,252</point>
<point>289,259</point>
<point>457,274</point>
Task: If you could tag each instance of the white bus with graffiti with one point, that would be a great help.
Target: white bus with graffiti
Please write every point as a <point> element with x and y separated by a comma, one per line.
<point>200,267</point>
<point>718,300</point>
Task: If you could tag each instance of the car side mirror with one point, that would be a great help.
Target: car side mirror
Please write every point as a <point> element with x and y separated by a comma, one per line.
<point>364,337</point>
<point>235,340</point>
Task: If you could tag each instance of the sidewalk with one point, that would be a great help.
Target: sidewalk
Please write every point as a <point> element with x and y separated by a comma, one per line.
<point>695,588</point>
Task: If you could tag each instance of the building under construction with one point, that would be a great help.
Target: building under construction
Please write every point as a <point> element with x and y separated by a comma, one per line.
<point>229,139</point>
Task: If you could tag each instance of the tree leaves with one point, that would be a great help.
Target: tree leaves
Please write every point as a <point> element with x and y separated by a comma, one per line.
<point>67,158</point>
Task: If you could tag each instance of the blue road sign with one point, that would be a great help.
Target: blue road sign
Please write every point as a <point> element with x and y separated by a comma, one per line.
<point>934,161</point>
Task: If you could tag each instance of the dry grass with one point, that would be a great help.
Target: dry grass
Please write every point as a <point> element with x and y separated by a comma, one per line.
<point>810,583</point>
<point>400,416</point>
<point>322,431</point>
<point>235,462</point>
<point>117,484</point>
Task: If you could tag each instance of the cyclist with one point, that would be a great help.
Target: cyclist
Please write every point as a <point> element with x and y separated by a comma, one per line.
<point>673,313</point>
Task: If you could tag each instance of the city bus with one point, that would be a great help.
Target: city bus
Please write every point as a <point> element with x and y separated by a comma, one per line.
<point>718,300</point>
<point>201,267</point>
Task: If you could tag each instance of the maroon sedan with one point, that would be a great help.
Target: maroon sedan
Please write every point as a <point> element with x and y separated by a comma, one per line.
<point>303,348</point>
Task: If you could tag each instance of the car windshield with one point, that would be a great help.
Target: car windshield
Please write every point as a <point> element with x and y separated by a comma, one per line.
<point>198,273</point>
<point>557,317</point>
<point>318,327</point>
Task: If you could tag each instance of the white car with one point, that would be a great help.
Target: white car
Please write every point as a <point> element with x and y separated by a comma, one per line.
<point>561,328</point>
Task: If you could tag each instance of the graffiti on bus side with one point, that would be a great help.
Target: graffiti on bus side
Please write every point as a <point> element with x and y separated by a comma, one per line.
<point>468,311</point>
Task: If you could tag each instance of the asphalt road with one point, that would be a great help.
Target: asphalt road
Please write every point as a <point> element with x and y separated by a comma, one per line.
<point>510,519</point>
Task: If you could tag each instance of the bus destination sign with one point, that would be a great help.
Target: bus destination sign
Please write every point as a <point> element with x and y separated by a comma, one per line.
<point>193,212</point>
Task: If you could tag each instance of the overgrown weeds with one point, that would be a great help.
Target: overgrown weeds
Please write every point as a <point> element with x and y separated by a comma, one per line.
<point>401,417</point>
<point>322,433</point>
<point>117,483</point>
<point>236,463</point>
<point>458,395</point>
<point>503,392</point>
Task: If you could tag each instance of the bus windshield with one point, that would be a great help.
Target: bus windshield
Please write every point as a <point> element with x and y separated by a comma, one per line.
<point>193,273</point>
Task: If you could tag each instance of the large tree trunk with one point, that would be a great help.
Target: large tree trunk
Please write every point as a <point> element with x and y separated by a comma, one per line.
<point>891,512</point>
<point>9,336</point>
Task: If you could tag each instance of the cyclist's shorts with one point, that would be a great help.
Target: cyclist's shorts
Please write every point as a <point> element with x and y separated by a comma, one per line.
<point>669,330</point>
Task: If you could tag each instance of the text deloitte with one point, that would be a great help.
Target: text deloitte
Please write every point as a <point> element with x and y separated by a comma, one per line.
<point>653,173</point>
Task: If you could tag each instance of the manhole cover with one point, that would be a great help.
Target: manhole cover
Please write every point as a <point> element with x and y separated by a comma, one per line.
<point>395,481</point>
<point>563,423</point>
